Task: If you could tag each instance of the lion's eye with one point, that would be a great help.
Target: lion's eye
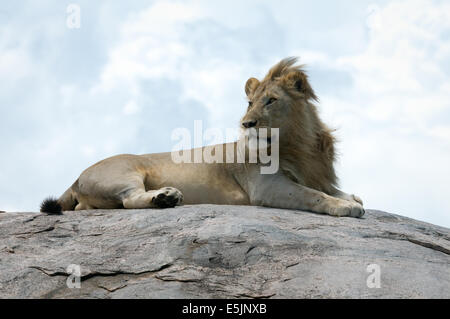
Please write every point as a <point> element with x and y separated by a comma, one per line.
<point>271,100</point>
<point>250,103</point>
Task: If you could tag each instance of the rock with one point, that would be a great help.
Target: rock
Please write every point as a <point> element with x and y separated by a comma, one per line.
<point>211,251</point>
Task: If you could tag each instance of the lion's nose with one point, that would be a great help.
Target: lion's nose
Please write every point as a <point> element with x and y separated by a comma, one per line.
<point>249,124</point>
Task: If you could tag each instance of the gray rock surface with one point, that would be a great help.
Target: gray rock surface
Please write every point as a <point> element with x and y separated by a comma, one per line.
<point>211,251</point>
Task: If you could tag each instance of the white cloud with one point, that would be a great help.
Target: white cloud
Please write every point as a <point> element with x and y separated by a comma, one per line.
<point>399,71</point>
<point>188,42</point>
<point>151,45</point>
<point>394,151</point>
<point>15,64</point>
<point>442,132</point>
<point>131,108</point>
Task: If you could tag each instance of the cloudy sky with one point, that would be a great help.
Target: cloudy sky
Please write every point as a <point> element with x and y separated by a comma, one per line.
<point>136,70</point>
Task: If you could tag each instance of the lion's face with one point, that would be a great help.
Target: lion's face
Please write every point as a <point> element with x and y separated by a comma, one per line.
<point>278,100</point>
<point>269,106</point>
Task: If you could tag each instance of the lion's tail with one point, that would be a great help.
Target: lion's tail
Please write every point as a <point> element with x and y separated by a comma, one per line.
<point>54,206</point>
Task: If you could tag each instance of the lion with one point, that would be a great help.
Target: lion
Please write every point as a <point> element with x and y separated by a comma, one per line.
<point>305,180</point>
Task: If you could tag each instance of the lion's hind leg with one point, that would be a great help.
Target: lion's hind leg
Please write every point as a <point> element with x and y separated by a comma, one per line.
<point>165,197</point>
<point>83,206</point>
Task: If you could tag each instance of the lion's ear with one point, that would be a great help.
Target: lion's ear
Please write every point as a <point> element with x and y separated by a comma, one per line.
<point>298,81</point>
<point>251,86</point>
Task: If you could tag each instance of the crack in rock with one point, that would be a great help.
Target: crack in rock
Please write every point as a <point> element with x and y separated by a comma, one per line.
<point>48,229</point>
<point>429,245</point>
<point>403,237</point>
<point>96,274</point>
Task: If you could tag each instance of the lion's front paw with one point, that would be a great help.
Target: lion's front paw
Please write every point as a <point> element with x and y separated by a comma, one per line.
<point>347,209</point>
<point>167,197</point>
<point>357,199</point>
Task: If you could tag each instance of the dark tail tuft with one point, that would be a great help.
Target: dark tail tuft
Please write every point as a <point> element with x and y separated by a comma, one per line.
<point>51,206</point>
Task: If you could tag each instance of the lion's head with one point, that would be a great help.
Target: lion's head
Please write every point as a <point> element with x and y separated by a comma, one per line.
<point>284,99</point>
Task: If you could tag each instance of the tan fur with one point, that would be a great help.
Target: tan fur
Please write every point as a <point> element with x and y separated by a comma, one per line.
<point>306,179</point>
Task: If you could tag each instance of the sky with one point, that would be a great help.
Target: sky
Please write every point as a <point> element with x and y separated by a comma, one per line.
<point>134,71</point>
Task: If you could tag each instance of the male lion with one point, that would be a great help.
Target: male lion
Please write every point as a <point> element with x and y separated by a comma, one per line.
<point>305,180</point>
